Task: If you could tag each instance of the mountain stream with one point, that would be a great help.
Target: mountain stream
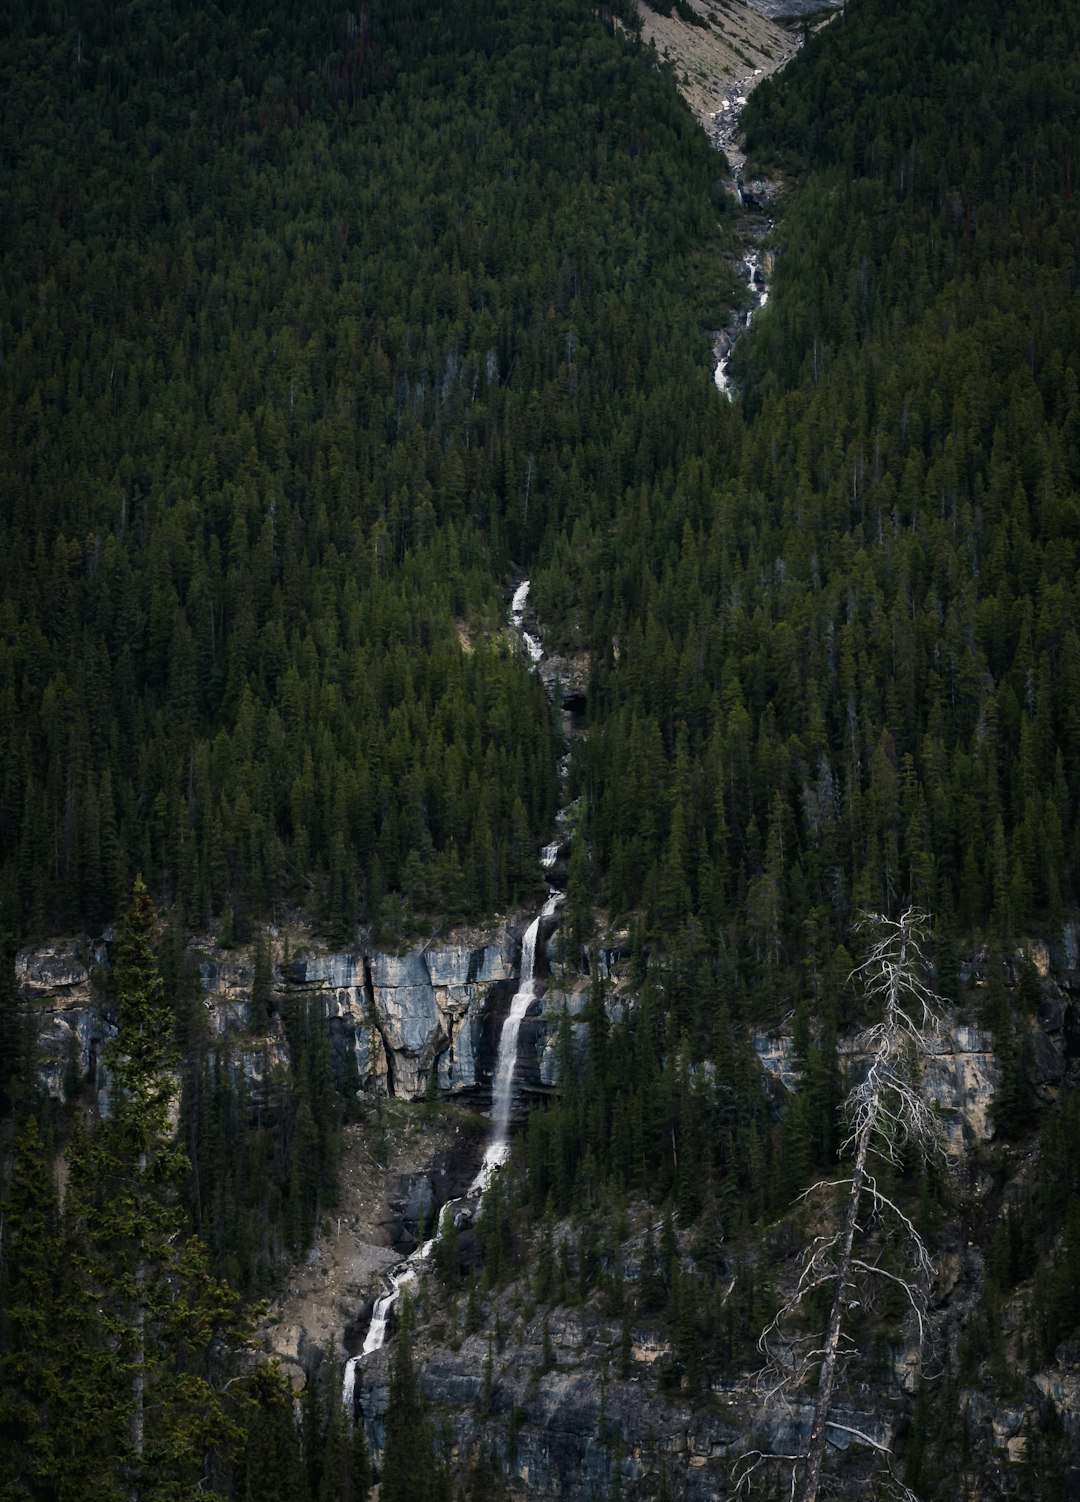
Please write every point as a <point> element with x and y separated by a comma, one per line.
<point>497,1151</point>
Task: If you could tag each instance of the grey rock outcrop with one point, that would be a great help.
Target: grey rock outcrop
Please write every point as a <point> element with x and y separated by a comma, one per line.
<point>54,981</point>
<point>565,1430</point>
<point>960,1076</point>
<point>390,1018</point>
<point>57,969</point>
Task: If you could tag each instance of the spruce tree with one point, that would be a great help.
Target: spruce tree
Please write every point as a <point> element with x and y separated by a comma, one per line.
<point>29,1364</point>
<point>408,1465</point>
<point>150,1326</point>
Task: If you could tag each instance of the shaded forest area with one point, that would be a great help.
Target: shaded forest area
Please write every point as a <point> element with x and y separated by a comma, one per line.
<point>317,331</point>
<point>313,328</point>
<point>838,666</point>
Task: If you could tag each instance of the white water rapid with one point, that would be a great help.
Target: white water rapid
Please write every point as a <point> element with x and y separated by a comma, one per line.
<point>517,619</point>
<point>402,1276</point>
<point>495,1155</point>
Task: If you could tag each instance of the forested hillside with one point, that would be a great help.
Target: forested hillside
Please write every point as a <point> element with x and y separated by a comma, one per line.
<point>313,328</point>
<point>319,330</point>
<point>843,670</point>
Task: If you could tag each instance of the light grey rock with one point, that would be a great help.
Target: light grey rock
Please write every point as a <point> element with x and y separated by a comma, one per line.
<point>771,9</point>
<point>331,971</point>
<point>776,1054</point>
<point>55,969</point>
<point>404,1001</point>
<point>960,1075</point>
<point>71,1044</point>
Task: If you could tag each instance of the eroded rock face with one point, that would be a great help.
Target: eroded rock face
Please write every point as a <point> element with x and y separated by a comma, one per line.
<point>430,1007</point>
<point>575,1424</point>
<point>390,1018</point>
<point>58,970</point>
<point>466,982</point>
<point>71,1041</point>
<point>960,1076</point>
<point>54,980</point>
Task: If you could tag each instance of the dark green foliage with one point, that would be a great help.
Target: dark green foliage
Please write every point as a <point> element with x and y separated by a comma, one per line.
<point>409,1470</point>
<point>319,328</point>
<point>847,662</point>
<point>133,1402</point>
<point>271,1469</point>
<point>263,1159</point>
<point>30,1313</point>
<point>316,335</point>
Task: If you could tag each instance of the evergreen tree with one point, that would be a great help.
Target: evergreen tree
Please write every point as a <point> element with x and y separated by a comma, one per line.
<point>271,1469</point>
<point>408,1463</point>
<point>150,1326</point>
<point>30,1315</point>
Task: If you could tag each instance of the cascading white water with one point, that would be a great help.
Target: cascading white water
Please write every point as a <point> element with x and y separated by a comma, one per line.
<point>517,604</point>
<point>517,618</point>
<point>502,1084</point>
<point>402,1276</point>
<point>498,1149</point>
<point>761,292</point>
<point>495,1155</point>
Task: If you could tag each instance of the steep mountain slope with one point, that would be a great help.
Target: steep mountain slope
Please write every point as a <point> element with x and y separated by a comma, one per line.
<point>319,331</point>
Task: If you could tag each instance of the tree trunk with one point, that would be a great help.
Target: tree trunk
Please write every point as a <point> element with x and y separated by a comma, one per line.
<point>815,1455</point>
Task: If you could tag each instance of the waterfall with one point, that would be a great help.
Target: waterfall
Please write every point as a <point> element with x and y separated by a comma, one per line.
<point>755,280</point>
<point>495,1155</point>
<point>402,1276</point>
<point>502,1085</point>
<point>517,619</point>
<point>517,604</point>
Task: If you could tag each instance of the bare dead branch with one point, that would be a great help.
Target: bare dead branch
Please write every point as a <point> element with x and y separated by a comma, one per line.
<point>886,1116</point>
<point>867,1439</point>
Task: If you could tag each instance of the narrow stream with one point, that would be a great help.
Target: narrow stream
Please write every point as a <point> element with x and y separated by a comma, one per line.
<point>502,1084</point>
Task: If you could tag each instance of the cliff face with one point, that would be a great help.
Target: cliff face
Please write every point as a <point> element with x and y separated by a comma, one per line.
<point>592,1398</point>
<point>54,982</point>
<point>569,1398</point>
<point>390,1017</point>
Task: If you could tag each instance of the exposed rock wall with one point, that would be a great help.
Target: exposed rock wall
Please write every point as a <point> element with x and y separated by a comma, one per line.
<point>391,1018</point>
<point>54,981</point>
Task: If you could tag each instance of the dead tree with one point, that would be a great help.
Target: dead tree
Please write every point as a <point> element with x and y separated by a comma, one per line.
<point>887,1117</point>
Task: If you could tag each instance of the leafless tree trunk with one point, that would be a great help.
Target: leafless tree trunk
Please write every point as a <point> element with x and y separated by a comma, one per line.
<point>886,1114</point>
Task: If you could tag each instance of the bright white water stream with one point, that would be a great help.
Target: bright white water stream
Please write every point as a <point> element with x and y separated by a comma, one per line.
<point>502,1084</point>
<point>517,619</point>
<point>495,1155</point>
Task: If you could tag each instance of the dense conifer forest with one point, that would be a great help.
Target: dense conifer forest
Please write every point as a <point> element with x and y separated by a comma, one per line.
<point>311,334</point>
<point>319,329</point>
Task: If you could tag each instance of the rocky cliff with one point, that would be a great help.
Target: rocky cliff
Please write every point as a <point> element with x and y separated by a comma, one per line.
<point>391,1017</point>
<point>590,1396</point>
<point>580,1398</point>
